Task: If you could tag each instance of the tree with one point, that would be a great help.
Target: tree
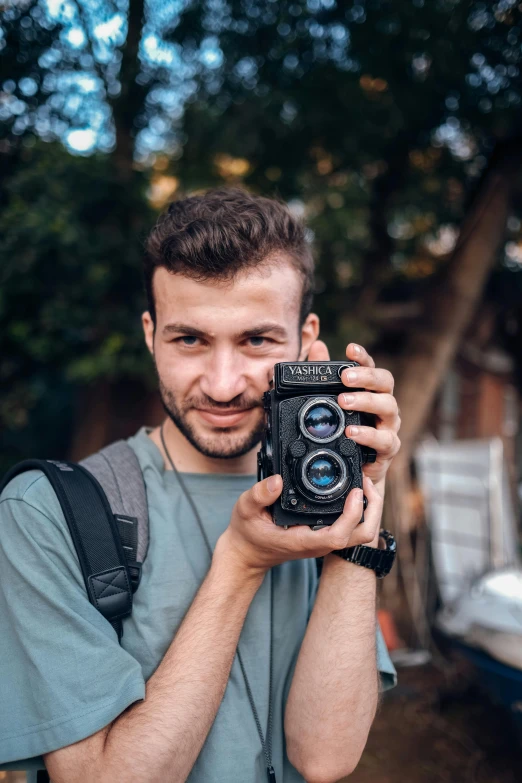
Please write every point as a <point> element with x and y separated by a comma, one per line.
<point>375,118</point>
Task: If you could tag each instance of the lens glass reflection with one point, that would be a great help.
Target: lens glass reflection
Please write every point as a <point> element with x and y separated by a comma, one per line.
<point>322,473</point>
<point>321,421</point>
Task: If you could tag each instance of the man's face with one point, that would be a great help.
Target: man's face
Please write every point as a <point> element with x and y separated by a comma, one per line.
<point>215,345</point>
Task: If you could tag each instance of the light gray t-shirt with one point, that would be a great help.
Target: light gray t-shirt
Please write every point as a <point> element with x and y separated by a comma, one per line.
<point>63,675</point>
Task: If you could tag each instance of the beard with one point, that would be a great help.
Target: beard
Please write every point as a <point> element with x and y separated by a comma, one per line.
<point>226,444</point>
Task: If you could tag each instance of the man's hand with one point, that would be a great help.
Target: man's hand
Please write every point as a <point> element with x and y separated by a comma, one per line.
<point>254,543</point>
<point>378,399</point>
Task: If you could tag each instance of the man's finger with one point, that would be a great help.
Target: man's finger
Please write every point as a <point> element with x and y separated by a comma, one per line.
<point>367,532</point>
<point>385,441</point>
<point>382,405</point>
<point>339,534</point>
<point>261,495</point>
<point>356,353</point>
<point>318,352</point>
<point>369,378</point>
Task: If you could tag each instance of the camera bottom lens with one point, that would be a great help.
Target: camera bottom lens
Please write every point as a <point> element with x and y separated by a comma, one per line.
<point>323,474</point>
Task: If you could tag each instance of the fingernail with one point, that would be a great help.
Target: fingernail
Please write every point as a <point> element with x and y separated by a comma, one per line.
<point>356,348</point>
<point>351,375</point>
<point>349,399</point>
<point>272,483</point>
<point>354,430</point>
<point>358,495</point>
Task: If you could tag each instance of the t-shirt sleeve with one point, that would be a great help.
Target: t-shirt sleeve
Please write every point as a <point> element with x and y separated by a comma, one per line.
<point>63,674</point>
<point>385,667</point>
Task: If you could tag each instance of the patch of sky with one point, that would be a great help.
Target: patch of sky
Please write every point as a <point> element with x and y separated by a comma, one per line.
<point>211,55</point>
<point>452,136</point>
<point>513,256</point>
<point>480,17</point>
<point>246,68</point>
<point>28,86</point>
<point>504,5</point>
<point>76,37</point>
<point>421,64</point>
<point>112,30</point>
<point>291,62</point>
<point>81,139</point>
<point>288,112</point>
<point>339,32</point>
<point>356,14</point>
<point>158,52</point>
<point>297,207</point>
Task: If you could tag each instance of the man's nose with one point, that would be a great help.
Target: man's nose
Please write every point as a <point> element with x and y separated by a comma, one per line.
<point>224,378</point>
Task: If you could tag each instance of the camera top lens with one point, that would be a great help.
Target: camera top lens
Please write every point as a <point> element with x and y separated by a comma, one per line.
<point>321,420</point>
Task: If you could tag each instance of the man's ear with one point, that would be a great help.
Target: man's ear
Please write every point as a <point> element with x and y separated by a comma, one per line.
<point>309,334</point>
<point>148,330</point>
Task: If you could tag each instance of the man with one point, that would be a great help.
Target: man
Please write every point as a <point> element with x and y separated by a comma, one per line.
<point>229,284</point>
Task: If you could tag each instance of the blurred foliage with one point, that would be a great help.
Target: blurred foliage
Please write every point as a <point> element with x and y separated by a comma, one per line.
<point>374,119</point>
<point>70,275</point>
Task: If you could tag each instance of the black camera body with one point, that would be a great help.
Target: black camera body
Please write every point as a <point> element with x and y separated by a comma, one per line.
<point>305,443</point>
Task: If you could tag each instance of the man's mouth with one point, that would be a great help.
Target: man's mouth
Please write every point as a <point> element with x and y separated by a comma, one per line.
<point>223,417</point>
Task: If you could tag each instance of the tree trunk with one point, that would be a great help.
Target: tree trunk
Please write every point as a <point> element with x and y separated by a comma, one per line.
<point>430,350</point>
<point>129,104</point>
<point>452,303</point>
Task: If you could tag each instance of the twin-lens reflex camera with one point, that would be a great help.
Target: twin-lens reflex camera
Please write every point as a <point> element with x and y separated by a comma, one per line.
<point>305,443</point>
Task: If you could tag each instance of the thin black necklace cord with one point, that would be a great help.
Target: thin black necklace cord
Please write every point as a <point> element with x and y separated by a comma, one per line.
<point>267,746</point>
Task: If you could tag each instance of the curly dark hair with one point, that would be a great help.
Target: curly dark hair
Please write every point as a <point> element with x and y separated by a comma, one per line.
<point>217,234</point>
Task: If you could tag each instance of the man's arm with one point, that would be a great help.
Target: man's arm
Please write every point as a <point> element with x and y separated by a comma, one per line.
<point>159,739</point>
<point>334,692</point>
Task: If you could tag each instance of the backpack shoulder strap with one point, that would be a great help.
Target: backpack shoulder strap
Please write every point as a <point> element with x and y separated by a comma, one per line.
<point>117,469</point>
<point>94,532</point>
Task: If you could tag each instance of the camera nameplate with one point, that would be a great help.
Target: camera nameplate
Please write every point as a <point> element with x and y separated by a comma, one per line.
<point>294,375</point>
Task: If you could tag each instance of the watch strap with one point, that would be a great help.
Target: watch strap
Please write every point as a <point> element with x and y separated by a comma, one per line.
<point>379,560</point>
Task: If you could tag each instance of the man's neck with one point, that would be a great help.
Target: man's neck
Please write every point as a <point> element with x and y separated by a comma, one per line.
<point>188,459</point>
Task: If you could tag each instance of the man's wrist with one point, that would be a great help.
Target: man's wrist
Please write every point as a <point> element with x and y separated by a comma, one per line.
<point>227,561</point>
<point>380,559</point>
<point>335,564</point>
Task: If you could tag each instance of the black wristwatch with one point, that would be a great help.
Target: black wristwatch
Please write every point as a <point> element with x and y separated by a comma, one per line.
<point>380,560</point>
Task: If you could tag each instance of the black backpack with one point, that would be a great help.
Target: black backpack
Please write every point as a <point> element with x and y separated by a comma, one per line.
<point>104,502</point>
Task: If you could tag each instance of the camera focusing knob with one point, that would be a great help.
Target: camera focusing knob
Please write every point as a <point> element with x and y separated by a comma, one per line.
<point>297,449</point>
<point>344,367</point>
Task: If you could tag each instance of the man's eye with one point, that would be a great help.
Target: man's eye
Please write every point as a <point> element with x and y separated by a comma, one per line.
<point>187,339</point>
<point>257,342</point>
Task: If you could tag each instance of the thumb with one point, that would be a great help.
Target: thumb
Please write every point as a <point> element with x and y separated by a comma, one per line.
<point>261,495</point>
<point>318,352</point>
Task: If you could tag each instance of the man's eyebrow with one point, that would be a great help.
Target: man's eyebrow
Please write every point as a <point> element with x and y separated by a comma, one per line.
<point>182,329</point>
<point>275,329</point>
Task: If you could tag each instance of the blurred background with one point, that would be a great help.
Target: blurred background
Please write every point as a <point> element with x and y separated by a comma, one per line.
<point>395,128</point>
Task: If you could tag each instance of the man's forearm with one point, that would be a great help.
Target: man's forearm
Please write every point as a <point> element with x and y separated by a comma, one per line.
<point>159,739</point>
<point>334,691</point>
